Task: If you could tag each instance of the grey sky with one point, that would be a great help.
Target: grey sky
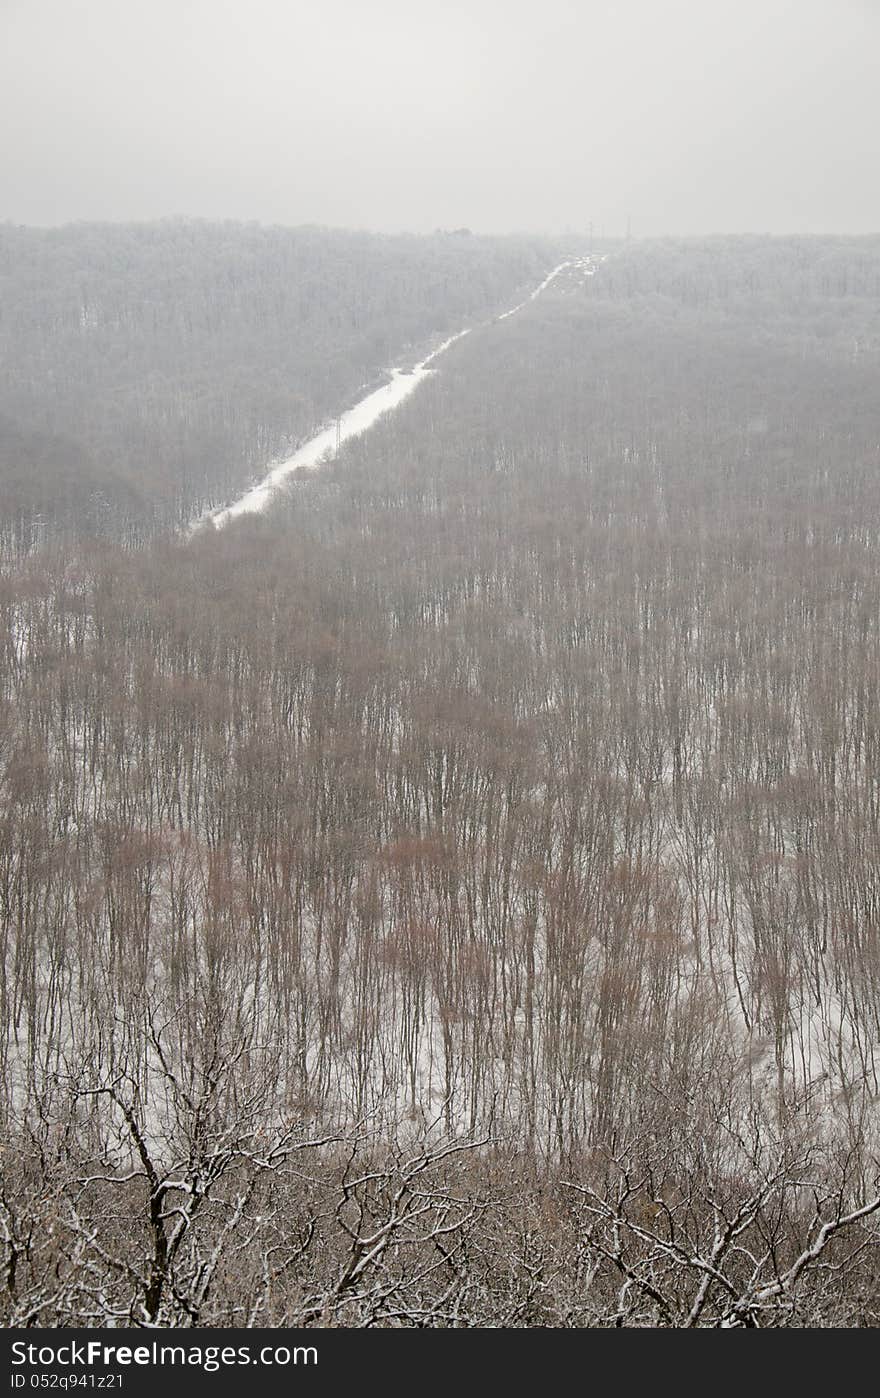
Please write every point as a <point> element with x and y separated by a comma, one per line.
<point>688,115</point>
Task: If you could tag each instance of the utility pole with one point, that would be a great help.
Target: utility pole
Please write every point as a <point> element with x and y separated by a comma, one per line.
<point>338,434</point>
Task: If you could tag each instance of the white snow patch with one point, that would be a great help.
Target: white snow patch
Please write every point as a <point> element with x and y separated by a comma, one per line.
<point>322,447</point>
<point>538,289</point>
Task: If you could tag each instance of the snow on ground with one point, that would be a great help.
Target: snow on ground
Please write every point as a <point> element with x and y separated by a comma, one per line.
<point>322,447</point>
<point>551,276</point>
<point>359,419</point>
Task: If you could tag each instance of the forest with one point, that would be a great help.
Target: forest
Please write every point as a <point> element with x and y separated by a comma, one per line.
<point>452,896</point>
<point>148,370</point>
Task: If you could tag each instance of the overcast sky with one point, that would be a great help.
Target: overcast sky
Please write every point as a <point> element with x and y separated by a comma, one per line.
<point>686,115</point>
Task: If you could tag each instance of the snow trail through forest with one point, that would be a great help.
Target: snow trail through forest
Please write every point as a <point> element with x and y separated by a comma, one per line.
<point>321,447</point>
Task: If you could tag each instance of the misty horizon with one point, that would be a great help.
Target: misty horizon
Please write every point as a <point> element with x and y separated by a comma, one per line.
<point>688,120</point>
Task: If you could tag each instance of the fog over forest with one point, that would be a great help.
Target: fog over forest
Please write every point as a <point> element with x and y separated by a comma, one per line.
<point>439,667</point>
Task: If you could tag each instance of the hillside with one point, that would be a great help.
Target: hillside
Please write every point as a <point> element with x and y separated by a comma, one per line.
<point>147,371</point>
<point>478,851</point>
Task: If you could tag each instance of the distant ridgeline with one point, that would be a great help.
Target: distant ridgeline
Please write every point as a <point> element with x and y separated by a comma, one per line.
<point>147,371</point>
